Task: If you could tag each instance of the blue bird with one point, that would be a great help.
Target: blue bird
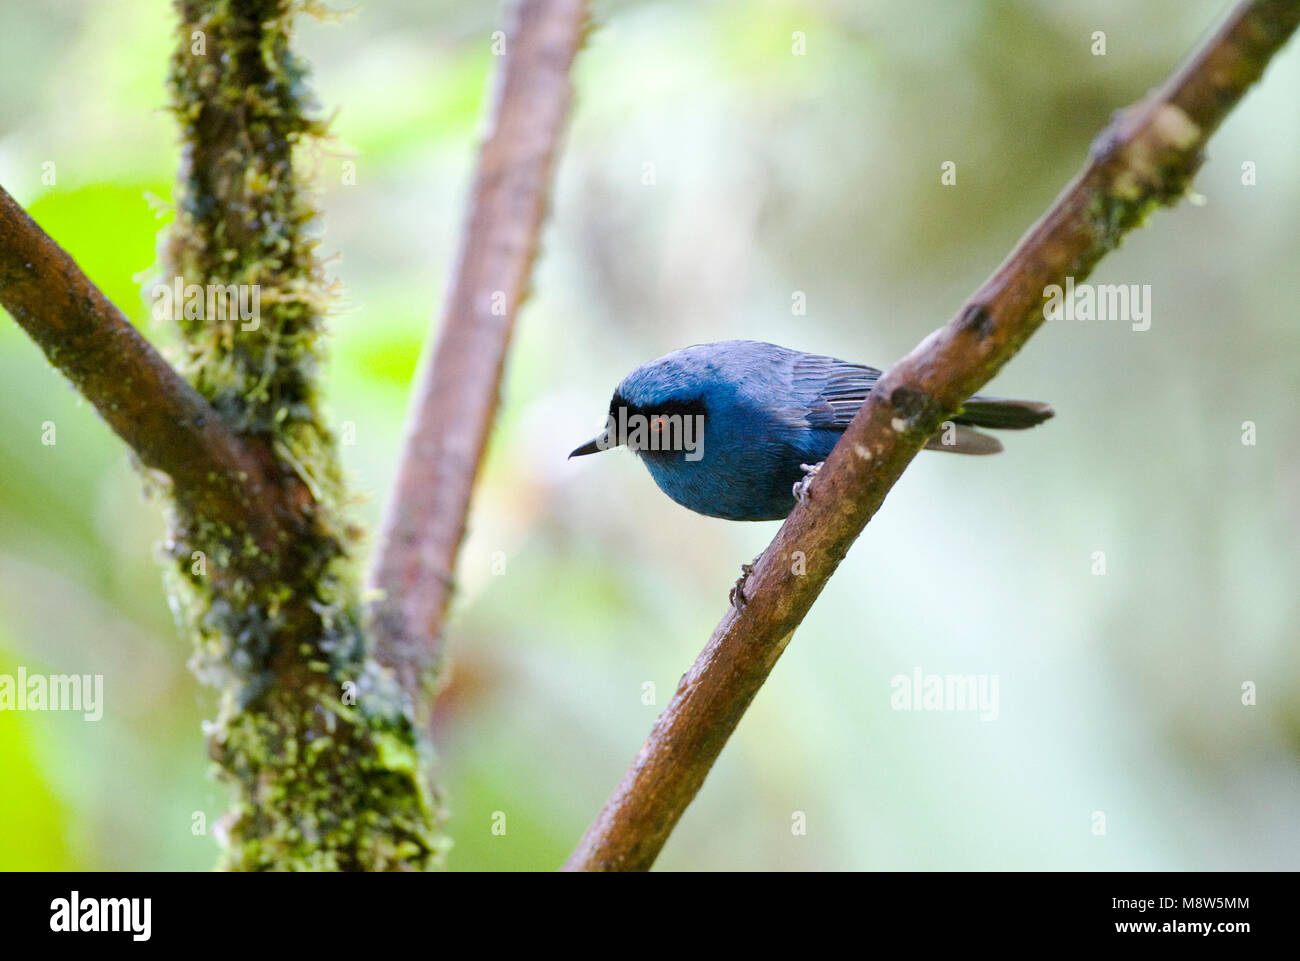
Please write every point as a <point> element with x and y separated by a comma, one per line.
<point>732,429</point>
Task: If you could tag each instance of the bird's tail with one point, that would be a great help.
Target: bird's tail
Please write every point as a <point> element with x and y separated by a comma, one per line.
<point>1000,414</point>
<point>991,412</point>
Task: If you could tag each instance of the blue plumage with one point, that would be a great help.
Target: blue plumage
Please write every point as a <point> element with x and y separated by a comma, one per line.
<point>724,428</point>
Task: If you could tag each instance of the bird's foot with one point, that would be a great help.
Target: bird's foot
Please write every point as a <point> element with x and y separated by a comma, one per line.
<point>737,595</point>
<point>801,486</point>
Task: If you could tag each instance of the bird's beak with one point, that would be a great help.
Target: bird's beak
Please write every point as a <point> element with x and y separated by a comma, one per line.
<point>593,446</point>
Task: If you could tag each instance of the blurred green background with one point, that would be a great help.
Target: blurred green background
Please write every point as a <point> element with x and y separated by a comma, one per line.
<point>773,173</point>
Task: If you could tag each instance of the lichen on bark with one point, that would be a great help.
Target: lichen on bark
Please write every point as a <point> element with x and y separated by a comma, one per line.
<point>329,770</point>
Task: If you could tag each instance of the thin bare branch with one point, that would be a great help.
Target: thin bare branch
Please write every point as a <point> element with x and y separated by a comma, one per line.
<point>148,404</point>
<point>1144,159</point>
<point>456,401</point>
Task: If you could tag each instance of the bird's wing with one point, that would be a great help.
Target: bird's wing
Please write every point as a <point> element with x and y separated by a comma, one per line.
<point>836,389</point>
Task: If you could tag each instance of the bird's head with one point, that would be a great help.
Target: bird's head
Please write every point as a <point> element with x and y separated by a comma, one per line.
<point>656,412</point>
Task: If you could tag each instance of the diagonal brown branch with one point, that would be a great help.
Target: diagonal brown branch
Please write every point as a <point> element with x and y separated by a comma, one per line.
<point>457,398</point>
<point>1145,158</point>
<point>146,403</point>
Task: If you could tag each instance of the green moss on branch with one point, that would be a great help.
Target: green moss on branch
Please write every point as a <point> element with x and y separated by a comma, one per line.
<point>329,772</point>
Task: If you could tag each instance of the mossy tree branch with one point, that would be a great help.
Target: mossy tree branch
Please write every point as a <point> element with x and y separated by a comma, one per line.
<point>315,738</point>
<point>1144,159</point>
<point>456,401</point>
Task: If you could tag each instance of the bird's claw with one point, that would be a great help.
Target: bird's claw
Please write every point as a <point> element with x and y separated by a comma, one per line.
<point>801,486</point>
<point>737,595</point>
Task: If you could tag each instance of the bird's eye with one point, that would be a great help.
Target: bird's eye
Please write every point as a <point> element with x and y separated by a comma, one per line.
<point>657,423</point>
